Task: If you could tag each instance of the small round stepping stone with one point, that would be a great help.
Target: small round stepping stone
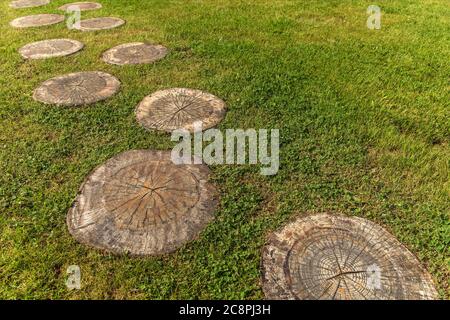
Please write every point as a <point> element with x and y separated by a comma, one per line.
<point>180,108</point>
<point>77,89</point>
<point>100,23</point>
<point>82,6</point>
<point>336,257</point>
<point>50,48</point>
<point>19,4</point>
<point>37,20</point>
<point>139,202</point>
<point>134,53</point>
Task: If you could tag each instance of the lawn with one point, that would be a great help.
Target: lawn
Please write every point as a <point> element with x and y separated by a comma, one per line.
<point>364,118</point>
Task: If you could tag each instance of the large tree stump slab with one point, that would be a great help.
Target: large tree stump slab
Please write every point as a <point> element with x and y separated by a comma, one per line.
<point>37,20</point>
<point>19,4</point>
<point>104,23</point>
<point>180,108</point>
<point>134,53</point>
<point>336,257</point>
<point>82,6</point>
<point>141,203</point>
<point>76,89</point>
<point>50,48</point>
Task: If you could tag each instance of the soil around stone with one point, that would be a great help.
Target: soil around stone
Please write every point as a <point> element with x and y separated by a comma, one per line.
<point>141,203</point>
<point>134,53</point>
<point>336,257</point>
<point>103,23</point>
<point>37,20</point>
<point>76,89</point>
<point>180,108</point>
<point>50,48</point>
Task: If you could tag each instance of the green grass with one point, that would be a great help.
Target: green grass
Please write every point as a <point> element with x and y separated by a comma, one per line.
<point>364,117</point>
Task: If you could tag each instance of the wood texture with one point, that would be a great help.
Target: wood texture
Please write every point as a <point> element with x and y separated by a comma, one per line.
<point>76,89</point>
<point>103,23</point>
<point>19,4</point>
<point>50,48</point>
<point>177,108</point>
<point>37,20</point>
<point>335,257</point>
<point>134,53</point>
<point>140,203</point>
<point>82,6</point>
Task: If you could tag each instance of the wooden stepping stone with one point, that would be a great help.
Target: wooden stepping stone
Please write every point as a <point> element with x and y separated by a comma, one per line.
<point>336,257</point>
<point>76,89</point>
<point>134,53</point>
<point>95,24</point>
<point>50,48</point>
<point>19,4</point>
<point>179,108</point>
<point>37,20</point>
<point>82,6</point>
<point>139,202</point>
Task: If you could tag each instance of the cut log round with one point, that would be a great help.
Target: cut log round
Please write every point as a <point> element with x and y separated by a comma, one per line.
<point>19,4</point>
<point>104,23</point>
<point>336,257</point>
<point>134,53</point>
<point>37,20</point>
<point>82,6</point>
<point>180,108</point>
<point>141,203</point>
<point>50,48</point>
<point>76,89</point>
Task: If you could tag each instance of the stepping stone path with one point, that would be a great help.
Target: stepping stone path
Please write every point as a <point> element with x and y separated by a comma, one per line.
<point>95,24</point>
<point>134,53</point>
<point>139,202</point>
<point>50,48</point>
<point>179,108</point>
<point>76,89</point>
<point>19,4</point>
<point>82,6</point>
<point>336,257</point>
<point>37,20</point>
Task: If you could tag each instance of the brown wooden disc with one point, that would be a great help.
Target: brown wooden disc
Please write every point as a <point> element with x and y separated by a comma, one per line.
<point>134,53</point>
<point>18,4</point>
<point>336,257</point>
<point>50,48</point>
<point>180,108</point>
<point>140,202</point>
<point>82,6</point>
<point>76,89</point>
<point>37,20</point>
<point>103,23</point>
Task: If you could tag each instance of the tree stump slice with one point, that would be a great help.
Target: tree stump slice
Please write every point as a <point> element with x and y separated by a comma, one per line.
<point>134,53</point>
<point>37,20</point>
<point>82,6</point>
<point>139,202</point>
<point>50,48</point>
<point>180,108</point>
<point>19,4</point>
<point>76,89</point>
<point>104,23</point>
<point>336,257</point>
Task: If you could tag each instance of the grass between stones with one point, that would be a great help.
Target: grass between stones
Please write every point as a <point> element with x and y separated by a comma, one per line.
<point>363,117</point>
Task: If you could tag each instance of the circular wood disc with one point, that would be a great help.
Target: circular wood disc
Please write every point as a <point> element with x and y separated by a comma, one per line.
<point>178,108</point>
<point>50,48</point>
<point>82,6</point>
<point>37,20</point>
<point>140,202</point>
<point>18,4</point>
<point>100,23</point>
<point>336,257</point>
<point>134,53</point>
<point>77,89</point>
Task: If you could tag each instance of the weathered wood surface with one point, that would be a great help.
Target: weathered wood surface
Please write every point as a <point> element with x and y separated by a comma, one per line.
<point>134,53</point>
<point>180,108</point>
<point>76,89</point>
<point>335,257</point>
<point>140,203</point>
<point>82,6</point>
<point>50,48</point>
<point>103,23</point>
<point>19,4</point>
<point>37,20</point>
